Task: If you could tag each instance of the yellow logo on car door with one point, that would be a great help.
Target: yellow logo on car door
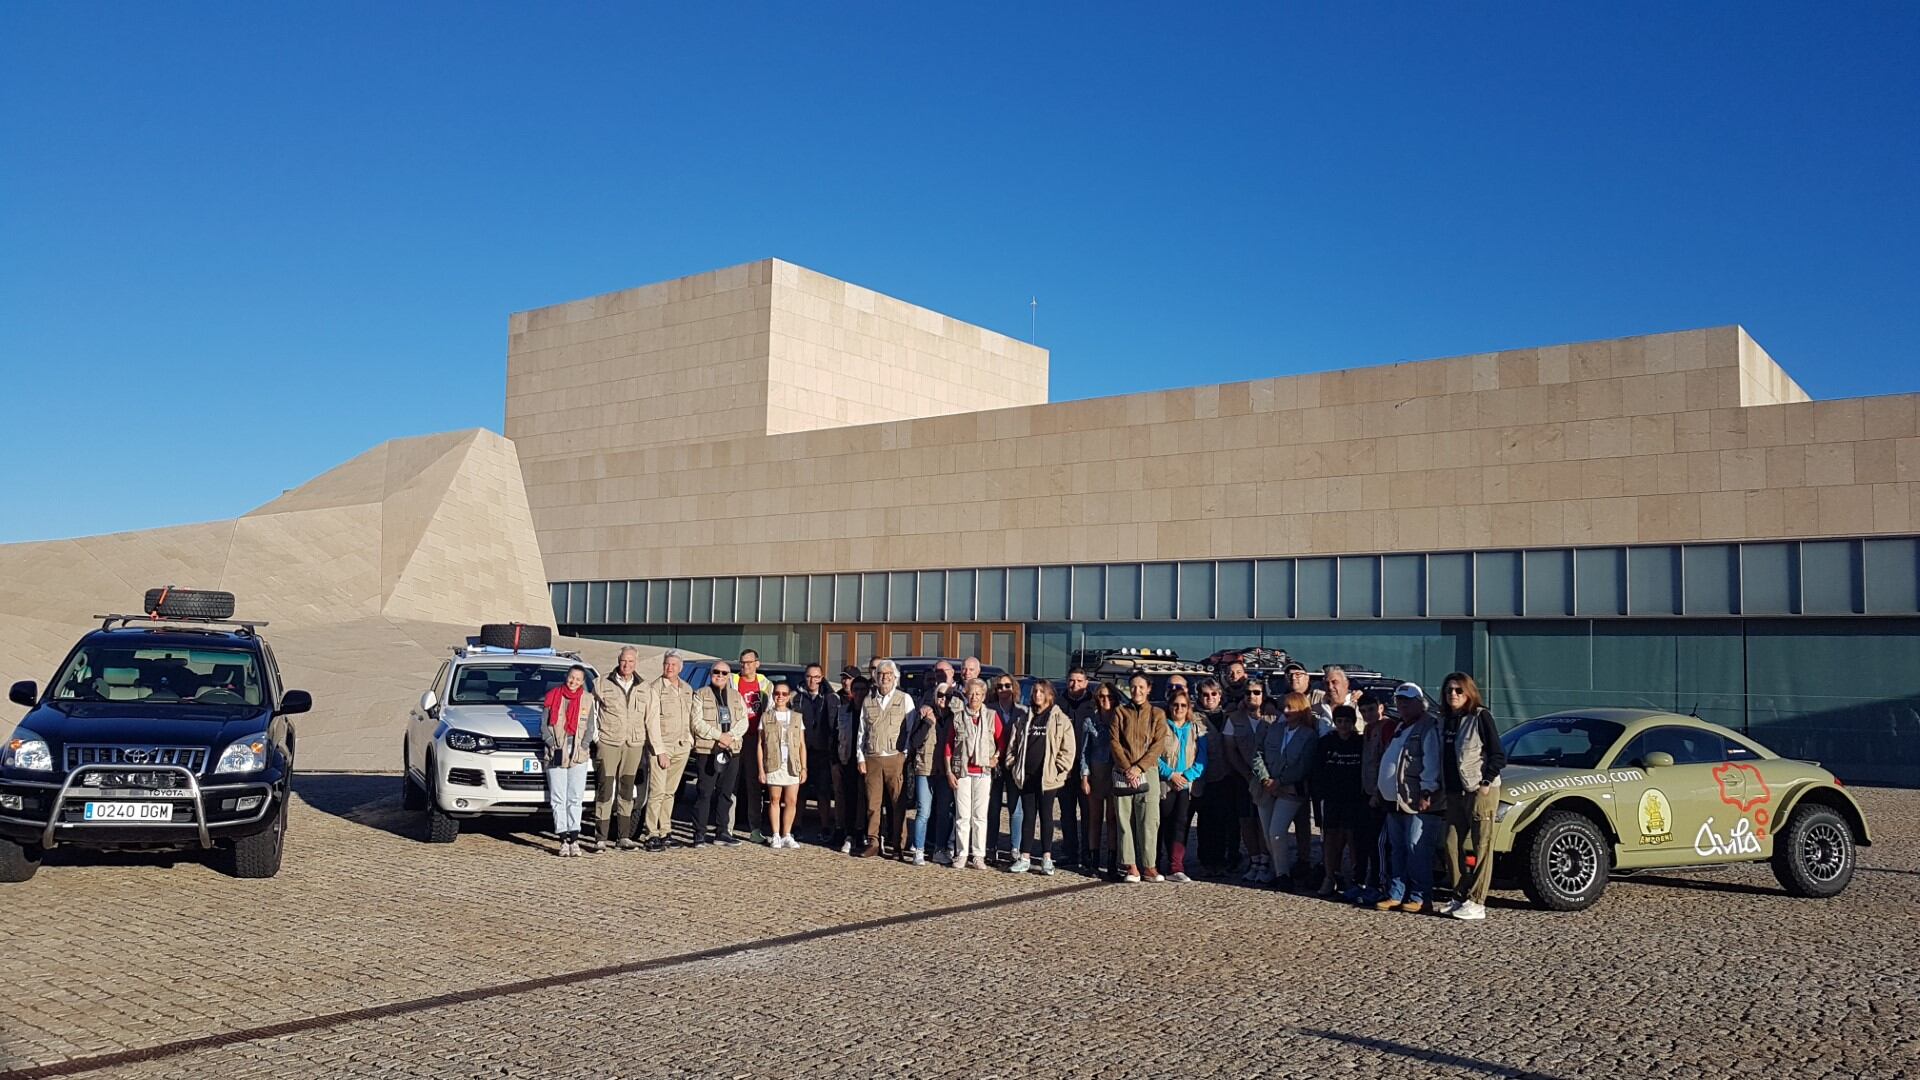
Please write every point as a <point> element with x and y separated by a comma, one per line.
<point>1656,817</point>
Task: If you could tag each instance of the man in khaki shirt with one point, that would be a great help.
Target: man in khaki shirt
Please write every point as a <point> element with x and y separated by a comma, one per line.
<point>669,741</point>
<point>620,750</point>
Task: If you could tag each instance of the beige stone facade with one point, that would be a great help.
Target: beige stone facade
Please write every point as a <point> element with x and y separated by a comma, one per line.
<point>1675,437</point>
<point>758,348</point>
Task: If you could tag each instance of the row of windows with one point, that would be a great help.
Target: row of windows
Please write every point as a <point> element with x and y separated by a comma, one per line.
<point>1878,576</point>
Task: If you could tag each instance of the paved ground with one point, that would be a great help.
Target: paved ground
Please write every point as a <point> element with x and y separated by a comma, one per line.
<point>752,962</point>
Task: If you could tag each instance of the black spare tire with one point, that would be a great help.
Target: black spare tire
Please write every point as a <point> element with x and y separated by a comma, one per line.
<point>515,636</point>
<point>172,603</point>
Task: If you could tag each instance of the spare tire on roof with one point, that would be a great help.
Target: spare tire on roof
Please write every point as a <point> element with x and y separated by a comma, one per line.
<point>171,603</point>
<point>515,635</point>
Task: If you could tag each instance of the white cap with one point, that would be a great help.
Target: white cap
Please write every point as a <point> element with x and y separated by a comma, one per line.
<point>1408,690</point>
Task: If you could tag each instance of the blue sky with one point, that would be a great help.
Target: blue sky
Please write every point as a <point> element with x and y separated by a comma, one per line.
<point>240,244</point>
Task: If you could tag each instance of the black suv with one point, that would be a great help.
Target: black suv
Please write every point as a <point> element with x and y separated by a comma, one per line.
<point>161,731</point>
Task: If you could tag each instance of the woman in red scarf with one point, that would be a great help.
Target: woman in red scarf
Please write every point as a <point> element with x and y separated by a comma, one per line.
<point>568,734</point>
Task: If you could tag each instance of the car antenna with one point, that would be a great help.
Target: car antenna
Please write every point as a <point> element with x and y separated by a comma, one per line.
<point>1694,710</point>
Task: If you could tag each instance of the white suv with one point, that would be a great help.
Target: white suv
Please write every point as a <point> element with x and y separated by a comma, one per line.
<point>473,746</point>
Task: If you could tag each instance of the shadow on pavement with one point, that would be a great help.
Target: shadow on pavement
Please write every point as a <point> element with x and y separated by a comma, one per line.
<point>1676,881</point>
<point>1431,1057</point>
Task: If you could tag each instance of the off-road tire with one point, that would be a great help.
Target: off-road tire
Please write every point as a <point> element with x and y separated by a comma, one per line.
<point>442,827</point>
<point>1813,856</point>
<point>502,636</point>
<point>1564,862</point>
<point>258,856</point>
<point>18,862</point>
<point>172,603</point>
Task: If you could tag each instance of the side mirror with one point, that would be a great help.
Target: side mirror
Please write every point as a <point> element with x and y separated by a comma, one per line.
<point>429,703</point>
<point>294,702</point>
<point>25,692</point>
<point>1659,759</point>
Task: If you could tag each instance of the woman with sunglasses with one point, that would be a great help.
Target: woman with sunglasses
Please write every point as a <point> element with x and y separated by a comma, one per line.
<point>783,764</point>
<point>1472,777</point>
<point>1181,773</point>
<point>1096,778</point>
<point>1240,735</point>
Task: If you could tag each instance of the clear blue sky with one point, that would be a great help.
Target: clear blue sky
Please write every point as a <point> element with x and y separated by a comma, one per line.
<point>240,244</point>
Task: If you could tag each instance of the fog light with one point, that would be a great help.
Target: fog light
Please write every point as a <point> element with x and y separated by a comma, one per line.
<point>460,803</point>
<point>11,802</point>
<point>249,802</point>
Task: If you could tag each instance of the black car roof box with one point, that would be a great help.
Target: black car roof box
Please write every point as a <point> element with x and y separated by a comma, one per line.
<point>169,602</point>
<point>516,636</point>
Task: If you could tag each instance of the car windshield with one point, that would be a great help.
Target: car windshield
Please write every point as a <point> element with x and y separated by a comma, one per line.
<point>160,676</point>
<point>508,684</point>
<point>1560,742</point>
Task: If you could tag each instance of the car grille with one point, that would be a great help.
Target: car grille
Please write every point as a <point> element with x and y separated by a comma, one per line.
<point>191,758</point>
<point>519,781</point>
<point>465,777</point>
<point>519,746</point>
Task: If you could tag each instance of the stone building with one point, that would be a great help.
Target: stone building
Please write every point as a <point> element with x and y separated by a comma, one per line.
<point>767,456</point>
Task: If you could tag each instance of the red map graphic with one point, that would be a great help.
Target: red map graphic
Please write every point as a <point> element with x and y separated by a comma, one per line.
<point>1741,786</point>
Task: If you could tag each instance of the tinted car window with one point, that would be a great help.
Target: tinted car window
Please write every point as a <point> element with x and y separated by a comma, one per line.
<point>160,675</point>
<point>1689,746</point>
<point>1561,742</point>
<point>508,684</point>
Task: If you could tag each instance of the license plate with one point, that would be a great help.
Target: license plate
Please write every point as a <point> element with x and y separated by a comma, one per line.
<point>129,811</point>
<point>531,765</point>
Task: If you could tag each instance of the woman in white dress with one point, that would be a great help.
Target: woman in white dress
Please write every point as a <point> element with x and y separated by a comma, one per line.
<point>783,763</point>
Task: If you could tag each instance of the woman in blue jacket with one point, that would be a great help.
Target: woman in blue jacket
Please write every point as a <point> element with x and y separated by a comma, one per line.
<point>1180,770</point>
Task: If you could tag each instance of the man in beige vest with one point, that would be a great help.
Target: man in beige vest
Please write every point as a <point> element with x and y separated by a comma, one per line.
<point>620,750</point>
<point>882,754</point>
<point>669,741</point>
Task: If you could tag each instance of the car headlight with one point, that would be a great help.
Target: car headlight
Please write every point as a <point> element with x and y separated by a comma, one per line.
<point>469,740</point>
<point>26,751</point>
<point>247,755</point>
<point>1506,808</point>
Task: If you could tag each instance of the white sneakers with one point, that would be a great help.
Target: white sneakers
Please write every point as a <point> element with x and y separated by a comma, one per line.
<point>778,842</point>
<point>1469,911</point>
<point>1021,865</point>
<point>1046,865</point>
<point>919,857</point>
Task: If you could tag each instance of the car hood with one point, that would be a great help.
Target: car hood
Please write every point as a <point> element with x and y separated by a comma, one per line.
<point>132,723</point>
<point>1520,783</point>
<point>498,721</point>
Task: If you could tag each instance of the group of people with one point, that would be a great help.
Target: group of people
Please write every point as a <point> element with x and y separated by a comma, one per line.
<point>1219,781</point>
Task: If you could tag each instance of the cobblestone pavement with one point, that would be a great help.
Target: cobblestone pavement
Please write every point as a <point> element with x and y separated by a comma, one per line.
<point>1713,974</point>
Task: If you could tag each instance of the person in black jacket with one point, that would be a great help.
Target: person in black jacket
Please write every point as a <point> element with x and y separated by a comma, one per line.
<point>819,707</point>
<point>1472,778</point>
<point>1336,786</point>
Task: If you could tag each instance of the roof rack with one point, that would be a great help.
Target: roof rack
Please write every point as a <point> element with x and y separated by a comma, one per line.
<point>474,648</point>
<point>245,626</point>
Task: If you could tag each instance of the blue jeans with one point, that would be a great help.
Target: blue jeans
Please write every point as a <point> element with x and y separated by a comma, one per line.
<point>1004,796</point>
<point>566,789</point>
<point>1412,837</point>
<point>922,811</point>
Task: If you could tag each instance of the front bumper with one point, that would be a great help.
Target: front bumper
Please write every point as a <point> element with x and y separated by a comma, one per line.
<point>470,782</point>
<point>54,814</point>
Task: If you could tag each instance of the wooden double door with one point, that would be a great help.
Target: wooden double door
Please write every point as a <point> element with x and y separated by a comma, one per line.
<point>1003,645</point>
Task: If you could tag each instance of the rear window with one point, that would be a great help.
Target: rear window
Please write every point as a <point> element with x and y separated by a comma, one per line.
<point>1561,742</point>
<point>508,684</point>
<point>160,676</point>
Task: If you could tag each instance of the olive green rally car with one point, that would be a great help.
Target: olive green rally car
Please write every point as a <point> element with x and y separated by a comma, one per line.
<point>1591,793</point>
